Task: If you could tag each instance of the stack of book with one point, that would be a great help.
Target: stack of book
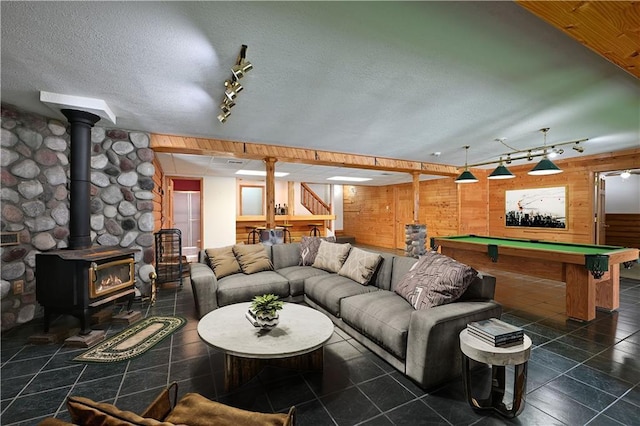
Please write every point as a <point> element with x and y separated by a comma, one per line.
<point>496,332</point>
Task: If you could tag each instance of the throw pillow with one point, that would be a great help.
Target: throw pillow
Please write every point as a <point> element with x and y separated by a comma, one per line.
<point>331,256</point>
<point>223,261</point>
<point>195,410</point>
<point>309,249</point>
<point>84,411</point>
<point>436,280</point>
<point>252,258</point>
<point>360,265</point>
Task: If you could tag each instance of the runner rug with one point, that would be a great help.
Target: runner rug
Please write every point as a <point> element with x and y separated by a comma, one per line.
<point>133,341</point>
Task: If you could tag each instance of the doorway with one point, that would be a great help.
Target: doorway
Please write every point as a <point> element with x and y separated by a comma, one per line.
<point>186,214</point>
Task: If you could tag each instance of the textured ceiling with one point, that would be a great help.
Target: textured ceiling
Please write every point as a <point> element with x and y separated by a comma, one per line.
<point>390,79</point>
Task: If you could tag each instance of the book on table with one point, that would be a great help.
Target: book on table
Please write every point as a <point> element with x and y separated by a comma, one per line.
<point>496,332</point>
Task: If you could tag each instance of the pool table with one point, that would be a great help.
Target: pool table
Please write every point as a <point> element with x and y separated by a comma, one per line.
<point>591,272</point>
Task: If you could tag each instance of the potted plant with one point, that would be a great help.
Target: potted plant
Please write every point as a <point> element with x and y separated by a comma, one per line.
<point>265,310</point>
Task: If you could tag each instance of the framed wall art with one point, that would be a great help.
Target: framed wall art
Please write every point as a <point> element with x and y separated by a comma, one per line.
<point>537,207</point>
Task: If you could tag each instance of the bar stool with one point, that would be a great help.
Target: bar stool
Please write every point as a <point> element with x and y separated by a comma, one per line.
<point>254,234</point>
<point>285,228</point>
<point>314,231</point>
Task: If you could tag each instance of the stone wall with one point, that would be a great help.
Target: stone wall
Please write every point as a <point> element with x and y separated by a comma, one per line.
<point>415,240</point>
<point>35,200</point>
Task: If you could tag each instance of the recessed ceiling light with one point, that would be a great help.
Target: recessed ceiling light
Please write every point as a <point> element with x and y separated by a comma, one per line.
<point>349,178</point>
<point>260,173</point>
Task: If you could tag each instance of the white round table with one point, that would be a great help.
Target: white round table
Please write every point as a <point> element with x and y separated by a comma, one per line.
<point>296,342</point>
<point>498,358</point>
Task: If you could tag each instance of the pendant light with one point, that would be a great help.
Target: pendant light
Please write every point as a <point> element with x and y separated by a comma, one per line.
<point>466,176</point>
<point>501,172</point>
<point>545,166</point>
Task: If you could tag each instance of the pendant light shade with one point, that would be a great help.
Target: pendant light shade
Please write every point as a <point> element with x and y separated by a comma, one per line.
<point>466,176</point>
<point>501,172</point>
<point>545,166</point>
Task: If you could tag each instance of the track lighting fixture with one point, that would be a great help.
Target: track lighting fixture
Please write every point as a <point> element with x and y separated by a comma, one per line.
<point>544,167</point>
<point>232,86</point>
<point>466,176</point>
<point>626,174</point>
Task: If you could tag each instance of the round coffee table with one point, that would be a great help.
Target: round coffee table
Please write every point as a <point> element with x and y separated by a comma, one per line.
<point>498,358</point>
<point>296,342</point>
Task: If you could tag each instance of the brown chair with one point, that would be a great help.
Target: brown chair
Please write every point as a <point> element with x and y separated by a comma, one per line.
<point>192,409</point>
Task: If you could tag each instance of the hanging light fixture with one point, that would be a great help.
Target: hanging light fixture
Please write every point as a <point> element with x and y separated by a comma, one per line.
<point>232,86</point>
<point>466,176</point>
<point>545,166</point>
<point>501,172</point>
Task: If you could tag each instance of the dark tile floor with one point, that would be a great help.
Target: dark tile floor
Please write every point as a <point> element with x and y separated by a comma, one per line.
<point>578,373</point>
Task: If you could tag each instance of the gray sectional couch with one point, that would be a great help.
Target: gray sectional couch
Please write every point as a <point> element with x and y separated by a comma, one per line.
<point>422,344</point>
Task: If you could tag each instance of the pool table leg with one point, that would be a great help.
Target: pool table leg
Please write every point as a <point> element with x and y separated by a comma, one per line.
<point>608,289</point>
<point>581,292</point>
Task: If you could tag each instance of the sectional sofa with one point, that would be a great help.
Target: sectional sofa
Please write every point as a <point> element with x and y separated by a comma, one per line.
<point>420,341</point>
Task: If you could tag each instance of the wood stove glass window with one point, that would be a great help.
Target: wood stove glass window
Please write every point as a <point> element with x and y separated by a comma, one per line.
<point>108,277</point>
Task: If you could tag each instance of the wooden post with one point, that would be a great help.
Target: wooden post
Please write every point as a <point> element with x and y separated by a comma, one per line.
<point>291,198</point>
<point>271,192</point>
<point>416,196</point>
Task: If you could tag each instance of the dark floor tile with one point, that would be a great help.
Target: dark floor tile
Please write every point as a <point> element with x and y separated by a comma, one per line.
<point>386,392</point>
<point>23,367</point>
<point>253,398</point>
<point>140,380</point>
<point>537,339</point>
<point>8,353</point>
<point>628,347</point>
<point>184,338</point>
<point>415,410</point>
<point>604,420</point>
<point>194,367</point>
<point>313,413</point>
<point>451,403</point>
<point>137,402</point>
<point>560,406</point>
<point>63,359</point>
<point>379,362</point>
<point>10,388</point>
<point>204,385</point>
<point>628,369</point>
<point>515,320</point>
<point>623,412</point>
<point>633,396</point>
<point>152,358</point>
<point>587,395</point>
<point>599,380</point>
<point>349,406</point>
<point>552,360</point>
<point>340,351</point>
<point>332,379</point>
<point>381,420</point>
<point>24,408</point>
<point>589,346</point>
<point>542,330</point>
<point>537,375</point>
<point>53,379</point>
<point>289,391</point>
<point>98,390</point>
<point>191,350</point>
<point>98,370</point>
<point>361,369</point>
<point>36,351</point>
<point>567,351</point>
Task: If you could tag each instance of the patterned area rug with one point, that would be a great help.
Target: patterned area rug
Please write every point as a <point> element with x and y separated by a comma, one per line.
<point>133,341</point>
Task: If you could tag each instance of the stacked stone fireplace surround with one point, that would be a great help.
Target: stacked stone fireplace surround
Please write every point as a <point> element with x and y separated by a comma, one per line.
<point>35,200</point>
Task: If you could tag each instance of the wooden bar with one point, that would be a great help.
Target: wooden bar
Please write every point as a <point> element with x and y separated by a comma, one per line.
<point>298,229</point>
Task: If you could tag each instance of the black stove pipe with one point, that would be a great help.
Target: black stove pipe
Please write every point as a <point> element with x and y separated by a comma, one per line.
<point>80,185</point>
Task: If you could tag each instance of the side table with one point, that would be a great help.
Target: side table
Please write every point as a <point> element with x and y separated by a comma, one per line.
<point>498,358</point>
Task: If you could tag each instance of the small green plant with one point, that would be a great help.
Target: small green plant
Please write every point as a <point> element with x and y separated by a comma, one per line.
<point>267,304</point>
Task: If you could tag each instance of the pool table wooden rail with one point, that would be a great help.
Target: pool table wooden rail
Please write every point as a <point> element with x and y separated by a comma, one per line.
<point>584,293</point>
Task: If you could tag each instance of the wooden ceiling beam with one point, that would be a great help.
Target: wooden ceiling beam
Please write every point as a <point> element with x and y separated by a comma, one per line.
<point>609,28</point>
<point>255,151</point>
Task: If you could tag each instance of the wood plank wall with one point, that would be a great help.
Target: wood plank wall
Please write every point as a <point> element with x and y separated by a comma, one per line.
<point>623,229</point>
<point>450,209</point>
<point>158,198</point>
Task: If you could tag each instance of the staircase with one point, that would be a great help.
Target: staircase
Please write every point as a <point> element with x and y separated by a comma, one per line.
<point>312,202</point>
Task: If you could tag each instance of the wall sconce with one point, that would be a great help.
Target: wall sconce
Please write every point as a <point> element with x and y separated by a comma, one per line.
<point>466,176</point>
<point>232,86</point>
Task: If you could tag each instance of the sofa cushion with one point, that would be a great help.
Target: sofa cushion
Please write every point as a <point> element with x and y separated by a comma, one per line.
<point>309,249</point>
<point>84,411</point>
<point>328,290</point>
<point>285,255</point>
<point>223,261</point>
<point>401,265</point>
<point>360,265</point>
<point>296,276</point>
<point>242,288</point>
<point>252,258</point>
<point>331,256</point>
<point>382,316</point>
<point>435,280</point>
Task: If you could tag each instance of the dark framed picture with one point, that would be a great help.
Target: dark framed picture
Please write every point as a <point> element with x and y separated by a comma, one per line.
<point>537,207</point>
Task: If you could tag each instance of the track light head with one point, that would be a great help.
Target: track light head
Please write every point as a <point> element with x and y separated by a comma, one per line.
<point>578,148</point>
<point>226,105</point>
<point>239,70</point>
<point>223,117</point>
<point>233,88</point>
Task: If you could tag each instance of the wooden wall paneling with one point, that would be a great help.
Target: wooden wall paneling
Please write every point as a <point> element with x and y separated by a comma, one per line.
<point>473,210</point>
<point>404,205</point>
<point>623,229</point>
<point>439,207</point>
<point>158,195</point>
<point>366,216</point>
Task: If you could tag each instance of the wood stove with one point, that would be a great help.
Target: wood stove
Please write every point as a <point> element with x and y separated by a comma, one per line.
<point>77,281</point>
<point>80,278</point>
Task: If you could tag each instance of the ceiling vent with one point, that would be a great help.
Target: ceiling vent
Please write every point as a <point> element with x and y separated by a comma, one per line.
<point>235,162</point>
